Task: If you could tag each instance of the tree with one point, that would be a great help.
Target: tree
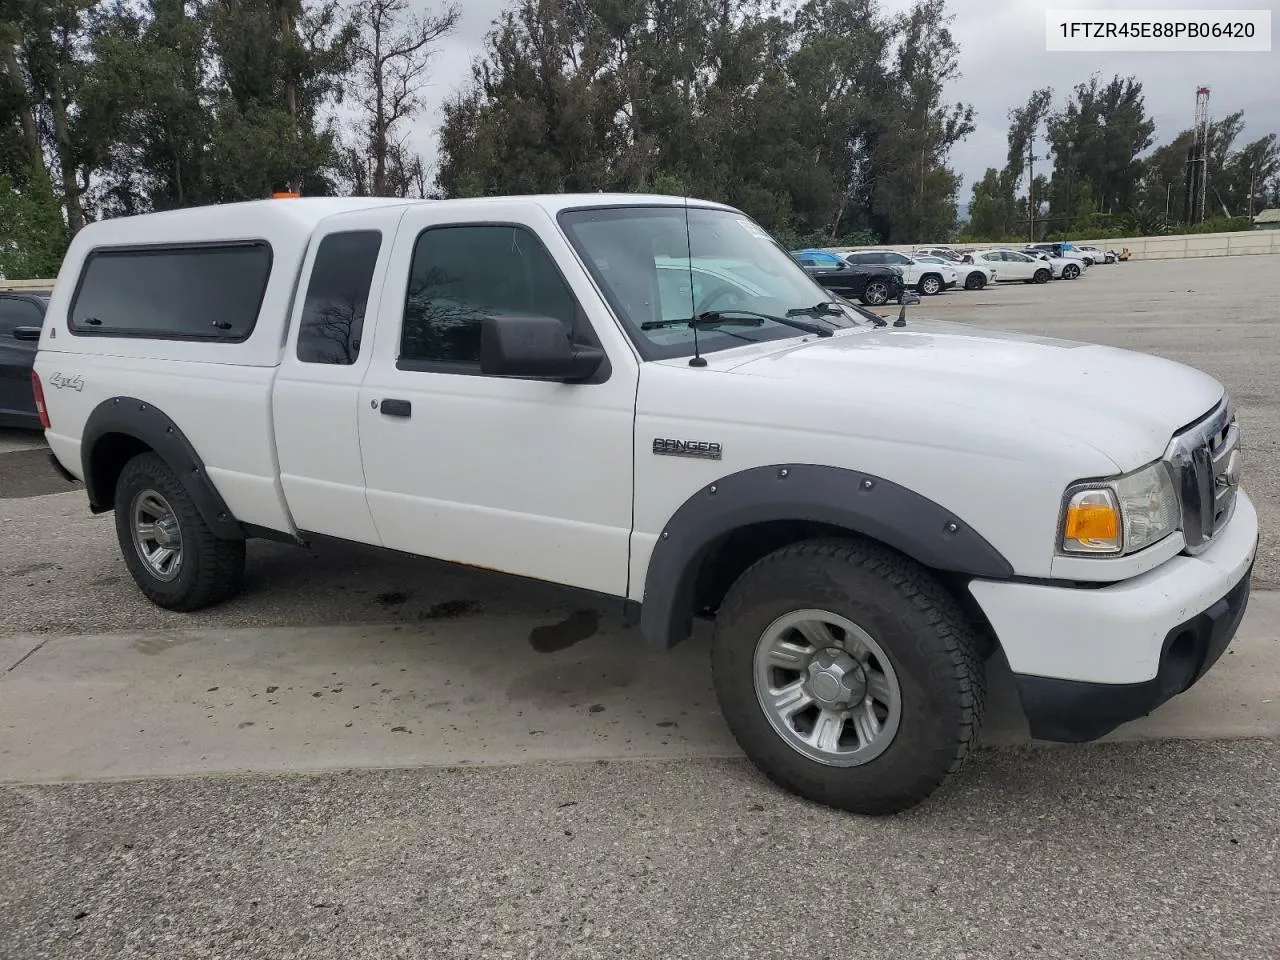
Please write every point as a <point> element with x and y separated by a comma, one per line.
<point>996,211</point>
<point>278,64</point>
<point>1097,138</point>
<point>826,118</point>
<point>391,53</point>
<point>33,234</point>
<point>913,154</point>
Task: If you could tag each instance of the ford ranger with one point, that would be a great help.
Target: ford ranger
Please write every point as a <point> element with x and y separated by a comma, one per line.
<point>647,398</point>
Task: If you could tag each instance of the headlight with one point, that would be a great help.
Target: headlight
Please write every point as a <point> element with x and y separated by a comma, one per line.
<point>1120,516</point>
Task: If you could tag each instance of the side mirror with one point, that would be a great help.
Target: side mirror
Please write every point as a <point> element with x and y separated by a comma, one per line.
<point>534,348</point>
<point>26,333</point>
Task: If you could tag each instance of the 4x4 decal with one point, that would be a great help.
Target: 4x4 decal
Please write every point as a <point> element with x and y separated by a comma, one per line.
<point>69,383</point>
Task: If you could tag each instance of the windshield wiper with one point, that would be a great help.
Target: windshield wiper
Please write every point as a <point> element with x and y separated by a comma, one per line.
<point>827,308</point>
<point>716,318</point>
<point>704,321</point>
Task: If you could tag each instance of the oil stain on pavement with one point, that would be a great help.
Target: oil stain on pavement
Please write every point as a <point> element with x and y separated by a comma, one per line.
<point>579,626</point>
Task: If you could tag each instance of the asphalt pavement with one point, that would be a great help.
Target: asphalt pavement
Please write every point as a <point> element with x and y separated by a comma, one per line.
<point>367,755</point>
<point>1160,850</point>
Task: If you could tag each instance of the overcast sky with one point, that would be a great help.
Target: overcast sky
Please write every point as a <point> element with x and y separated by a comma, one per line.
<point>1002,59</point>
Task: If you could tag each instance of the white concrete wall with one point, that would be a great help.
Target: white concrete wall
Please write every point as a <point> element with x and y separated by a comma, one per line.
<point>1178,247</point>
<point>26,284</point>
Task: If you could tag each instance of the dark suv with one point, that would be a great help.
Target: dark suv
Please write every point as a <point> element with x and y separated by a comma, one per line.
<point>872,285</point>
<point>21,317</point>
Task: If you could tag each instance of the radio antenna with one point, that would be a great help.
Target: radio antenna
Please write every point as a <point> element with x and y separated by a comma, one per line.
<point>698,359</point>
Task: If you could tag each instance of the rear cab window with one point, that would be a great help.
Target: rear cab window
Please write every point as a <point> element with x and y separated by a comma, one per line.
<point>337,295</point>
<point>208,291</point>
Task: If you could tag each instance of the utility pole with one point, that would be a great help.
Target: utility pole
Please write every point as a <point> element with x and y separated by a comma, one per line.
<point>1031,186</point>
<point>1253,172</point>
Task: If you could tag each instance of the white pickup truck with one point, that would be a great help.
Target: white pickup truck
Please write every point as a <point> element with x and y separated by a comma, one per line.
<point>647,399</point>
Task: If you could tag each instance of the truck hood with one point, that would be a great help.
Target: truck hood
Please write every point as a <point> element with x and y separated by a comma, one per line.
<point>1127,405</point>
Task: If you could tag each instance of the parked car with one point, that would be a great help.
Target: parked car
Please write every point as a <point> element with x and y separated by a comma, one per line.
<point>867,512</point>
<point>1065,267</point>
<point>945,253</point>
<point>975,277</point>
<point>21,316</point>
<point>929,279</point>
<point>1061,251</point>
<point>1012,265</point>
<point>819,258</point>
<point>1097,256</point>
<point>868,283</point>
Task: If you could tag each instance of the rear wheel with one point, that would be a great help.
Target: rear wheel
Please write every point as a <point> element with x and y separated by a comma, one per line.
<point>875,293</point>
<point>172,554</point>
<point>1043,275</point>
<point>848,675</point>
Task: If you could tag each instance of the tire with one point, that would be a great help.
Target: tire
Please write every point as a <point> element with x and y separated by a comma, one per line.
<point>875,293</point>
<point>207,569</point>
<point>1042,276</point>
<point>1070,271</point>
<point>931,650</point>
<point>930,285</point>
<point>975,281</point>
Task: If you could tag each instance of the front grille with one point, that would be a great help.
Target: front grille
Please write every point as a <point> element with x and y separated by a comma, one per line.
<point>1204,461</point>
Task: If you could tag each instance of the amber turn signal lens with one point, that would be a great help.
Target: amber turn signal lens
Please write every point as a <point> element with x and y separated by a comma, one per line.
<point>1092,521</point>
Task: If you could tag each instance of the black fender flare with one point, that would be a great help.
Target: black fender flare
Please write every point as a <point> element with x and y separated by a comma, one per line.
<point>143,421</point>
<point>865,504</point>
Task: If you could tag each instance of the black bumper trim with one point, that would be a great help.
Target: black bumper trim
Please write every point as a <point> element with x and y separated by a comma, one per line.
<point>1074,711</point>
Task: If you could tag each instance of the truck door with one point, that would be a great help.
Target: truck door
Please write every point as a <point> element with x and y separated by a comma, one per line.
<point>17,354</point>
<point>525,476</point>
<point>326,354</point>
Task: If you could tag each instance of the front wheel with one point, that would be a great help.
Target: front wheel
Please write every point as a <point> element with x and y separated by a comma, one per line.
<point>875,293</point>
<point>975,281</point>
<point>172,554</point>
<point>848,675</point>
<point>1070,271</point>
<point>930,285</point>
<point>1042,276</point>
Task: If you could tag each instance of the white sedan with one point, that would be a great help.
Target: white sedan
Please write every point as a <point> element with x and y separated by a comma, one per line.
<point>1011,265</point>
<point>976,275</point>
<point>1027,267</point>
<point>928,278</point>
<point>1064,268</point>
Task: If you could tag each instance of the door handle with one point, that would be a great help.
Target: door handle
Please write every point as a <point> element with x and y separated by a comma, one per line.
<point>396,408</point>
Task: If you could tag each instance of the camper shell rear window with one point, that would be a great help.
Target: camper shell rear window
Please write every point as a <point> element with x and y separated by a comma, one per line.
<point>202,291</point>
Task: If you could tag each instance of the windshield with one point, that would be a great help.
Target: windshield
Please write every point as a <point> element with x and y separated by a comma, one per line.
<point>653,267</point>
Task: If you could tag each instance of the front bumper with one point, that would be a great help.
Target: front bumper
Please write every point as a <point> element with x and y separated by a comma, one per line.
<point>1087,659</point>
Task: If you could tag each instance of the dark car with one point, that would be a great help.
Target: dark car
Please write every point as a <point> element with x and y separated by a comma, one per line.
<point>21,317</point>
<point>871,284</point>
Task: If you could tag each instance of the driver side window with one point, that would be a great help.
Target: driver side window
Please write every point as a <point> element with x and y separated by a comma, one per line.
<point>462,274</point>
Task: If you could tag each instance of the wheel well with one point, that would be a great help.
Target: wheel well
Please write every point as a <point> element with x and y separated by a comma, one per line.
<point>110,453</point>
<point>730,556</point>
